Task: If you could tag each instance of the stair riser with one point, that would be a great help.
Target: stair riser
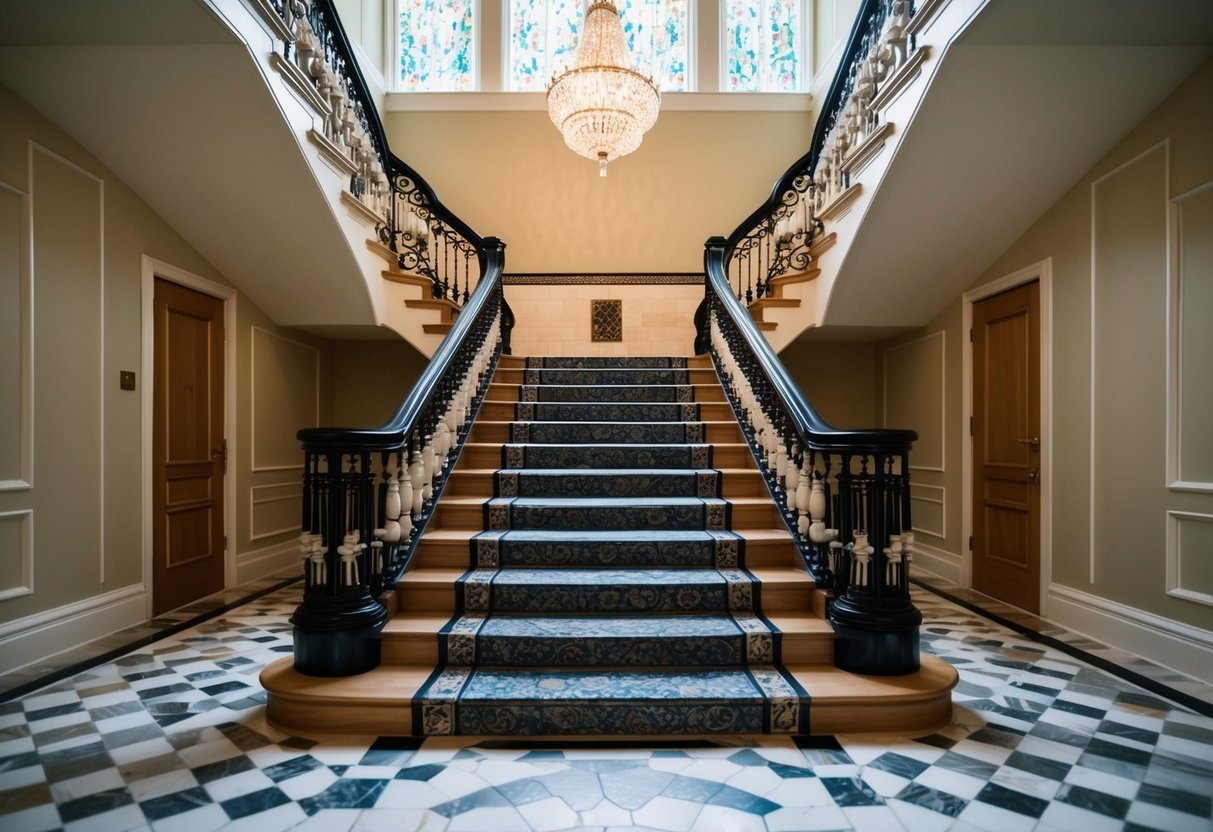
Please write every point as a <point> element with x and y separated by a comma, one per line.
<point>574,433</point>
<point>607,599</point>
<point>574,717</point>
<point>675,455</point>
<point>603,518</point>
<point>526,484</point>
<point>614,555</point>
<point>601,411</point>
<point>607,394</point>
<point>472,517</point>
<point>639,376</point>
<point>606,361</point>
<point>540,652</point>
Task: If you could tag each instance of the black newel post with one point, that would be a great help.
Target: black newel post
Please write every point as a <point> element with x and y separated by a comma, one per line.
<point>875,622</point>
<point>337,625</point>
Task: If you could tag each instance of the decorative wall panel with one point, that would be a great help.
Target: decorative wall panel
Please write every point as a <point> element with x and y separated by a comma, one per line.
<point>606,320</point>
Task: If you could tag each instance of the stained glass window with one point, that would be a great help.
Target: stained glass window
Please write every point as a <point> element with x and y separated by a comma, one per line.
<point>763,45</point>
<point>437,50</point>
<point>543,39</point>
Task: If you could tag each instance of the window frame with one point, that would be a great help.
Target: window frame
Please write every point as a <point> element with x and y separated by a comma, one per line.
<point>804,44</point>
<point>475,52</point>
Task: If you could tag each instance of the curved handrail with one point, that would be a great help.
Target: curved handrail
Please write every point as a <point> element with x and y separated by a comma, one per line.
<point>391,162</point>
<point>393,432</point>
<point>814,430</point>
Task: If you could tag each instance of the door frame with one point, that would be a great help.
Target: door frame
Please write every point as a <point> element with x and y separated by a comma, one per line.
<point>1041,271</point>
<point>152,269</point>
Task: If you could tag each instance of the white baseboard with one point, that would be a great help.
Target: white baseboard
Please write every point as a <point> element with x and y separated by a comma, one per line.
<point>942,564</point>
<point>1164,641</point>
<point>261,562</point>
<point>32,639</point>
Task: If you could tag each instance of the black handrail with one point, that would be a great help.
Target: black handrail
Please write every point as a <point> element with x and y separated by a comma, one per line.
<point>393,432</point>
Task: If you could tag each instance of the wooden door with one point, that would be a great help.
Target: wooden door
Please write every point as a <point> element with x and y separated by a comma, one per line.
<point>1006,446</point>
<point>189,449</point>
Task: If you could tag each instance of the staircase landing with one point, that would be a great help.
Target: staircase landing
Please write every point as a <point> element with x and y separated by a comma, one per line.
<point>606,560</point>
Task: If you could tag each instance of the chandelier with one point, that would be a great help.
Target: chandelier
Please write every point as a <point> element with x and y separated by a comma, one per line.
<point>601,105</point>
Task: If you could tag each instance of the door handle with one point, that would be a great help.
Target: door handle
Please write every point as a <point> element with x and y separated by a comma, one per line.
<point>1033,444</point>
<point>221,453</point>
<point>1033,475</point>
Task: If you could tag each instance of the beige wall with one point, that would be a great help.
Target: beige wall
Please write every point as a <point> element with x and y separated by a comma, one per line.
<point>696,174</point>
<point>363,24</point>
<point>658,319</point>
<point>76,236</point>
<point>371,380</point>
<point>832,22</point>
<point>1134,234</point>
<point>840,379</point>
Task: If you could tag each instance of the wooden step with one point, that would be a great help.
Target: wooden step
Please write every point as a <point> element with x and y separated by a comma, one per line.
<point>499,432</point>
<point>379,701</point>
<point>449,310</point>
<point>510,392</point>
<point>777,283</point>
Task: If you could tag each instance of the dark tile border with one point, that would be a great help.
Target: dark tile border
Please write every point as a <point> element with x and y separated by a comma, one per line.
<point>73,668</point>
<point>1200,706</point>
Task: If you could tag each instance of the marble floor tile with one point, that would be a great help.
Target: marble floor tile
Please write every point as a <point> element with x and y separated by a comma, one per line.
<point>171,737</point>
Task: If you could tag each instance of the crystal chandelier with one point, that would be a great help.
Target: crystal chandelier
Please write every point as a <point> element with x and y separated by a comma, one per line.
<point>601,105</point>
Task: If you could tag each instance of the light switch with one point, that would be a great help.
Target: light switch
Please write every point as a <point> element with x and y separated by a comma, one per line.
<point>126,379</point>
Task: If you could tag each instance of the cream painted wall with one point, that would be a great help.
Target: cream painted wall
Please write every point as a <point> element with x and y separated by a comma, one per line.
<point>652,213</point>
<point>840,379</point>
<point>832,22</point>
<point>658,319</point>
<point>371,380</point>
<point>363,23</point>
<point>1132,232</point>
<point>79,528</point>
<point>920,380</point>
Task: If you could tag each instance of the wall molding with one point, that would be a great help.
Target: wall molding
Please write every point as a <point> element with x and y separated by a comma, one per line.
<point>1166,641</point>
<point>26,554</point>
<point>1165,144</point>
<point>151,269</point>
<point>1174,557</point>
<point>267,560</point>
<point>938,562</point>
<point>254,467</point>
<point>253,502</point>
<point>943,395</point>
<point>33,638</point>
<point>1041,271</point>
<point>941,502</point>
<point>82,171</point>
<point>1175,269</point>
<point>25,281</point>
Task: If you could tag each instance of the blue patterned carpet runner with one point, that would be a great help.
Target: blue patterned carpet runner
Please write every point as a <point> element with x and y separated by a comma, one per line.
<point>607,594</point>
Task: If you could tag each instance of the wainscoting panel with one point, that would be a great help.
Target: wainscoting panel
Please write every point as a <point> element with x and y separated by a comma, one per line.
<point>1192,302</point>
<point>15,347</point>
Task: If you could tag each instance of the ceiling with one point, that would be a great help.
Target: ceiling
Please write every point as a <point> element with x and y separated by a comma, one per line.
<point>1031,96</point>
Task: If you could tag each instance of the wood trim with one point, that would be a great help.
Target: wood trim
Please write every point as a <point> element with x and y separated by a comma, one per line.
<point>841,203</point>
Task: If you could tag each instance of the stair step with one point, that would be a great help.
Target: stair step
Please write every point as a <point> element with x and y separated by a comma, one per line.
<point>529,547</point>
<point>607,482</point>
<point>614,455</point>
<point>608,375</point>
<point>602,513</point>
<point>734,482</point>
<point>554,702</point>
<point>607,361</point>
<point>616,641</point>
<point>611,432</point>
<point>605,392</point>
<point>606,412</point>
<point>603,591</point>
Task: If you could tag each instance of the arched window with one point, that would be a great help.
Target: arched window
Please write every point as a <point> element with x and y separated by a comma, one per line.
<point>437,47</point>
<point>764,45</point>
<point>543,38</point>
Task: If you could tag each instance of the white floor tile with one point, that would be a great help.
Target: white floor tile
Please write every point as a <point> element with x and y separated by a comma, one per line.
<point>35,819</point>
<point>410,794</point>
<point>668,813</point>
<point>237,785</point>
<point>605,813</point>
<point>918,819</point>
<point>202,819</point>
<point>806,819</point>
<point>497,818</point>
<point>330,820</point>
<point>307,784</point>
<point>873,819</point>
<point>725,819</point>
<point>549,815</point>
<point>399,820</point>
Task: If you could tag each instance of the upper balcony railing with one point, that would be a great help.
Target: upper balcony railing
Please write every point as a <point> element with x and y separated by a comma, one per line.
<point>777,238</point>
<point>845,494</point>
<point>427,238</point>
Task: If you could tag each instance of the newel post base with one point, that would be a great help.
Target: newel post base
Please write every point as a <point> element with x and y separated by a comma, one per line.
<point>338,636</point>
<point>875,639</point>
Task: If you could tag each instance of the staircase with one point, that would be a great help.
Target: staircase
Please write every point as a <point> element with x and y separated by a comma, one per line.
<point>606,559</point>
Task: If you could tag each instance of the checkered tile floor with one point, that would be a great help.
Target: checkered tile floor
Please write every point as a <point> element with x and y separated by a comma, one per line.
<point>173,737</point>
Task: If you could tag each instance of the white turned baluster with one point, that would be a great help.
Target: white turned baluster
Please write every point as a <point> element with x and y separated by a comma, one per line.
<point>349,567</point>
<point>417,481</point>
<point>803,502</point>
<point>817,511</point>
<point>391,507</point>
<point>907,549</point>
<point>406,516</point>
<point>791,477</point>
<point>861,558</point>
<point>427,462</point>
<point>781,469</point>
<point>377,551</point>
<point>305,550</point>
<point>893,563</point>
<point>442,444</point>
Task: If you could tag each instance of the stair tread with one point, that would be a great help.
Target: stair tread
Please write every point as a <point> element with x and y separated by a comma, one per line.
<point>487,684</point>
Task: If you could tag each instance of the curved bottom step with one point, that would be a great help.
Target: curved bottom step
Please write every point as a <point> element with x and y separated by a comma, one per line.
<point>381,702</point>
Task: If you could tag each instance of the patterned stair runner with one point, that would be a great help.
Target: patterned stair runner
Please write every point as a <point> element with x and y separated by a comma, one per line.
<point>607,594</point>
